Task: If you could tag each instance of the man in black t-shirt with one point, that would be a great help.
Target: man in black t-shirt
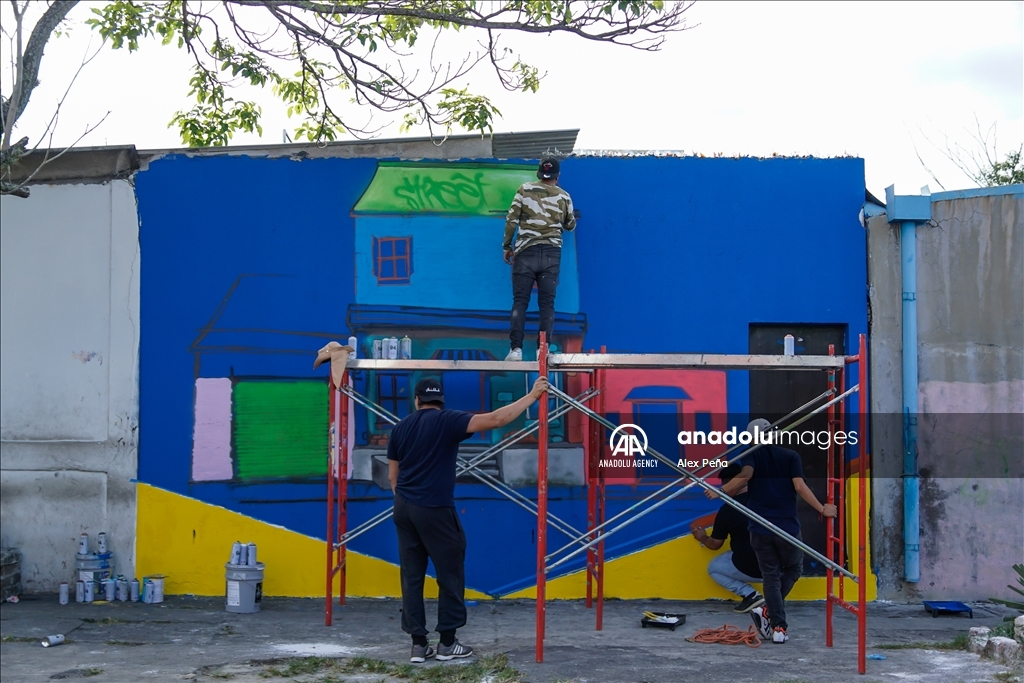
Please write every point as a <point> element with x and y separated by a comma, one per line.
<point>774,477</point>
<point>735,569</point>
<point>422,454</point>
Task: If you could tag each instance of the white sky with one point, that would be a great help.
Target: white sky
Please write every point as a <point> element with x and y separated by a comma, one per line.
<point>822,79</point>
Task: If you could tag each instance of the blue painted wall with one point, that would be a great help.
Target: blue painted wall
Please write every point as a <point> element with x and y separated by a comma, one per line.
<point>249,265</point>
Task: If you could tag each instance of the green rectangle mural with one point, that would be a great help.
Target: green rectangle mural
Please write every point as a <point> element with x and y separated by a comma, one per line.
<point>473,189</point>
<point>280,429</point>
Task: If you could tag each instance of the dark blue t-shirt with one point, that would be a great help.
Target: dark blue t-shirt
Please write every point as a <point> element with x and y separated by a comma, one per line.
<point>772,494</point>
<point>426,445</point>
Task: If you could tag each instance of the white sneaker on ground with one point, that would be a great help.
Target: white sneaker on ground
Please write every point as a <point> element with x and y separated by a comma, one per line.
<point>515,355</point>
<point>779,635</point>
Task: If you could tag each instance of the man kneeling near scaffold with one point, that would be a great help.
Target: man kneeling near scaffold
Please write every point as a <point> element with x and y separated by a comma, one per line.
<point>774,477</point>
<point>737,568</point>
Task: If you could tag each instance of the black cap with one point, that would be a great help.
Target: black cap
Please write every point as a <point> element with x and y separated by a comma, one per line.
<point>548,168</point>
<point>429,391</point>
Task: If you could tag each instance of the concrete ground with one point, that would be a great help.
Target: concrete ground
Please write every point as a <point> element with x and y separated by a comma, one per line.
<point>194,639</point>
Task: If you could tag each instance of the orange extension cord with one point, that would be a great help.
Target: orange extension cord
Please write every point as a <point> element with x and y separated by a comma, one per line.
<point>728,635</point>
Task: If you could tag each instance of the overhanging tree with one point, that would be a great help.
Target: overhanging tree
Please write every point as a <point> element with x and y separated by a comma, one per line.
<point>329,62</point>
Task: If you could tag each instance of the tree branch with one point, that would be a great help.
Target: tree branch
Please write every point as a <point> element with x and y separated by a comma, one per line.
<point>33,55</point>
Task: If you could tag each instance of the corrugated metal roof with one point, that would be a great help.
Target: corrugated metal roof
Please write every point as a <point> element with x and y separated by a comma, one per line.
<point>534,145</point>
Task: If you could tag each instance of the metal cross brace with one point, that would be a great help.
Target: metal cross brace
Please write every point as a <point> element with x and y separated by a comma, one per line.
<point>699,481</point>
<point>469,466</point>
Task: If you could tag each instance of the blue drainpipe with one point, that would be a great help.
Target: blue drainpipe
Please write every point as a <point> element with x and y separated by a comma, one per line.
<point>909,211</point>
<point>911,489</point>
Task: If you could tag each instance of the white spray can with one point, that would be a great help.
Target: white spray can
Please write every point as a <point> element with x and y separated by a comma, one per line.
<point>406,348</point>
<point>101,543</point>
<point>392,348</point>
<point>83,544</point>
<point>243,554</point>
<point>63,592</point>
<point>250,557</point>
<point>236,552</point>
<point>80,591</point>
<point>789,345</point>
<point>377,344</point>
<point>355,348</point>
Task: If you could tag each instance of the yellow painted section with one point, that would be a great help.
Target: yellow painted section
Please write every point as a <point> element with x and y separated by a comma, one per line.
<point>189,541</point>
<point>677,570</point>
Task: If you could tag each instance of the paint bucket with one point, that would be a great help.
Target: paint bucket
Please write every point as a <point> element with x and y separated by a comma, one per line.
<point>153,588</point>
<point>244,590</point>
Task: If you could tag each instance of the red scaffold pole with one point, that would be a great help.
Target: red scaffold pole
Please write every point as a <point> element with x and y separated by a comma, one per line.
<point>830,530</point>
<point>542,497</point>
<point>599,442</point>
<point>342,478</point>
<point>592,454</point>
<point>332,454</point>
<point>862,603</point>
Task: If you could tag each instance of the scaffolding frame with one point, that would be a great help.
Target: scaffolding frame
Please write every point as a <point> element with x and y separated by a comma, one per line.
<point>592,542</point>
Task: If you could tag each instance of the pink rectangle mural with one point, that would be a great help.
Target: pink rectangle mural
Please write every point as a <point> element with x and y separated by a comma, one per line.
<point>211,438</point>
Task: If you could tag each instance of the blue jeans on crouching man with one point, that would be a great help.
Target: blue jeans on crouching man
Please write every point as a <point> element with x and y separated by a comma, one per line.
<point>541,264</point>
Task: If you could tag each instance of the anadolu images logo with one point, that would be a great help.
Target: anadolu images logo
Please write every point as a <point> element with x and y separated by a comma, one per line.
<point>627,445</point>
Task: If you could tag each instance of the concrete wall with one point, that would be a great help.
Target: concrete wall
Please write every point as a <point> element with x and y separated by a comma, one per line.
<point>70,337</point>
<point>970,397</point>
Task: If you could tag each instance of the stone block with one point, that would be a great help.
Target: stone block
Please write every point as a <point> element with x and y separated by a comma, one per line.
<point>1003,651</point>
<point>977,638</point>
<point>10,572</point>
<point>1018,629</point>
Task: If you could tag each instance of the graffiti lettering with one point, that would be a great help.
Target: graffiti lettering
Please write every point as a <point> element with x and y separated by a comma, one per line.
<point>459,193</point>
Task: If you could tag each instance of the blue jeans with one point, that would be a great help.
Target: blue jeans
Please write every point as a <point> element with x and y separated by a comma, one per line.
<point>541,264</point>
<point>725,574</point>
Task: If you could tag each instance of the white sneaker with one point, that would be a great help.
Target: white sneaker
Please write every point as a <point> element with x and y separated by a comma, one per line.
<point>779,635</point>
<point>759,615</point>
<point>515,355</point>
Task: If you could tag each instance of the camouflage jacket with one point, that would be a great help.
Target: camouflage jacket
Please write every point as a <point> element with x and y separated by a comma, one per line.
<point>540,212</point>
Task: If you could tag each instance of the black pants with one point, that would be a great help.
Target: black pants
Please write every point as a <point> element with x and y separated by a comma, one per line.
<point>781,564</point>
<point>539,263</point>
<point>435,533</point>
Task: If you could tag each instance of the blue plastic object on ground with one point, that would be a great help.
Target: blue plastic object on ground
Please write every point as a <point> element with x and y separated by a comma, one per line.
<point>876,656</point>
<point>937,607</point>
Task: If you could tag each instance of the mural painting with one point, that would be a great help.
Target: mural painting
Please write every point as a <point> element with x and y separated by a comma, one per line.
<point>378,249</point>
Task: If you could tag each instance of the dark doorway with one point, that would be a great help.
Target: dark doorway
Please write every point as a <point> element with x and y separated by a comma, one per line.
<point>774,394</point>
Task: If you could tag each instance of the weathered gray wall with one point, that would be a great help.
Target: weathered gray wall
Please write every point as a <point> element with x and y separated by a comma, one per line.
<point>69,399</point>
<point>970,298</point>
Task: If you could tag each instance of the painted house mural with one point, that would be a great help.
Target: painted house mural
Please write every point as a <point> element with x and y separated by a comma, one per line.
<point>271,258</point>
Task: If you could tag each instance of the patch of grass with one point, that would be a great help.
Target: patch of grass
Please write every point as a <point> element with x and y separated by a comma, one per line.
<point>105,621</point>
<point>220,674</point>
<point>959,642</point>
<point>1004,629</point>
<point>493,667</point>
<point>124,643</point>
<point>1007,677</point>
<point>90,672</point>
<point>19,639</point>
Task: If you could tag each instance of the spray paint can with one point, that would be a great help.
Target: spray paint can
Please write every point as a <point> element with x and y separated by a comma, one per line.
<point>147,591</point>
<point>80,591</point>
<point>243,553</point>
<point>377,349</point>
<point>90,591</point>
<point>355,349</point>
<point>406,348</point>
<point>109,590</point>
<point>134,590</point>
<point>236,552</point>
<point>250,558</point>
<point>789,345</point>
<point>50,641</point>
<point>122,589</point>
<point>83,544</point>
<point>101,543</point>
<point>392,348</point>
<point>63,592</point>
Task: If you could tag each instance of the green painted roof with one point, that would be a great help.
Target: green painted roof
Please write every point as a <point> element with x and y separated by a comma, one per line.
<point>465,189</point>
